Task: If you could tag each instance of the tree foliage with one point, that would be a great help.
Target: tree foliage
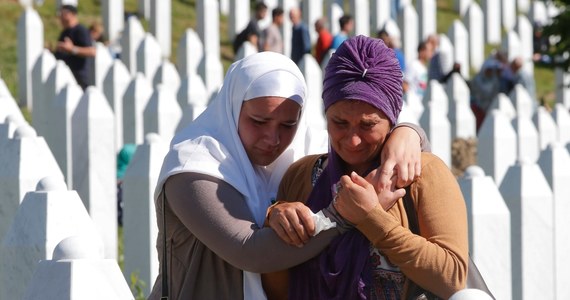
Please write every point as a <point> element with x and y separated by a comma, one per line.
<point>560,27</point>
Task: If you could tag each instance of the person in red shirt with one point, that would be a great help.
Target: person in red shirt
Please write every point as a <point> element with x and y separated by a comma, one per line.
<point>324,41</point>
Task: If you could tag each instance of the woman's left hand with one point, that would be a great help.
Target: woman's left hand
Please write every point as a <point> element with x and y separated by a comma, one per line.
<point>293,222</point>
<point>400,157</point>
<point>356,198</point>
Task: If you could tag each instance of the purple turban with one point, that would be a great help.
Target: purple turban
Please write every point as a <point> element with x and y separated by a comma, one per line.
<point>365,69</point>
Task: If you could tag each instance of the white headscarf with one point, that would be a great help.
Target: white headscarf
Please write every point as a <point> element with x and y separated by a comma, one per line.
<point>211,144</point>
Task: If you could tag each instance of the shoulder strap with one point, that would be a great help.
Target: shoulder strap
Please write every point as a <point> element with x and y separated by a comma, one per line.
<point>411,212</point>
<point>164,255</point>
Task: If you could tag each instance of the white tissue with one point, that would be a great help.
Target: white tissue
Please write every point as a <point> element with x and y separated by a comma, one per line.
<point>322,222</point>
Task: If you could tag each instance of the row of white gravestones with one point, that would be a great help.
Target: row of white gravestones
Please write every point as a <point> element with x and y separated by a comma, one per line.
<point>132,36</point>
<point>528,239</point>
<point>492,14</point>
<point>53,250</point>
<point>459,37</point>
<point>139,219</point>
<point>506,135</point>
<point>189,54</point>
<point>408,25</point>
<point>461,6</point>
<point>314,78</point>
<point>334,11</point>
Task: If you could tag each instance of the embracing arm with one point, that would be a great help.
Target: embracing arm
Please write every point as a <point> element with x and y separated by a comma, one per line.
<point>218,216</point>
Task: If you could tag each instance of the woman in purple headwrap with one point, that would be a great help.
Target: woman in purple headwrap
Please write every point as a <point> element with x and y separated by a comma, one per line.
<point>376,259</point>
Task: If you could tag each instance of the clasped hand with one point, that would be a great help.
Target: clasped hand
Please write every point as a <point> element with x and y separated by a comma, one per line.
<point>293,222</point>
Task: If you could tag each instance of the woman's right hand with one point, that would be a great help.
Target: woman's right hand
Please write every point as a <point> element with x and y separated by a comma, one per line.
<point>357,197</point>
<point>293,222</point>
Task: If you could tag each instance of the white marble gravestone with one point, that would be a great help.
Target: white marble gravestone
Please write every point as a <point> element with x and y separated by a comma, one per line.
<point>522,101</point>
<point>224,7</point>
<point>508,14</point>
<point>545,126</point>
<point>115,85</point>
<point>511,45</point>
<point>538,13</point>
<point>427,18</point>
<point>360,10</point>
<point>407,115</point>
<point>161,24</point>
<point>554,162</point>
<point>9,107</point>
<point>162,113</point>
<point>212,72</point>
<point>135,100</point>
<point>562,87</point>
<point>167,75</point>
<point>94,164</point>
<point>59,77</point>
<point>312,11</point>
<point>208,26</point>
<point>528,144</point>
<point>287,28</point>
<point>525,33</point>
<point>60,139</point>
<point>414,105</point>
<point>379,14</point>
<point>408,24</point>
<point>334,11</point>
<point>48,214</point>
<point>78,271</point>
<point>42,68</point>
<point>561,117</point>
<point>29,48</point>
<point>473,20</point>
<point>113,18</point>
<point>489,230</point>
<point>492,14</point>
<point>457,89</point>
<point>436,93</point>
<point>314,78</point>
<point>143,9</point>
<point>462,120</point>
<point>24,160</point>
<point>238,17</point>
<point>149,56</point>
<point>131,38</point>
<point>189,54</point>
<point>9,126</point>
<point>459,37</point>
<point>497,145</point>
<point>246,49</point>
<point>529,199</point>
<point>461,6</point>
<point>446,50</point>
<point>192,98</point>
<point>103,62</point>
<point>503,103</point>
<point>140,229</point>
<point>438,130</point>
<point>523,6</point>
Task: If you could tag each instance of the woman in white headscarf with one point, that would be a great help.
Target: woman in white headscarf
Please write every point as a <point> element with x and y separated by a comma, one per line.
<point>222,173</point>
